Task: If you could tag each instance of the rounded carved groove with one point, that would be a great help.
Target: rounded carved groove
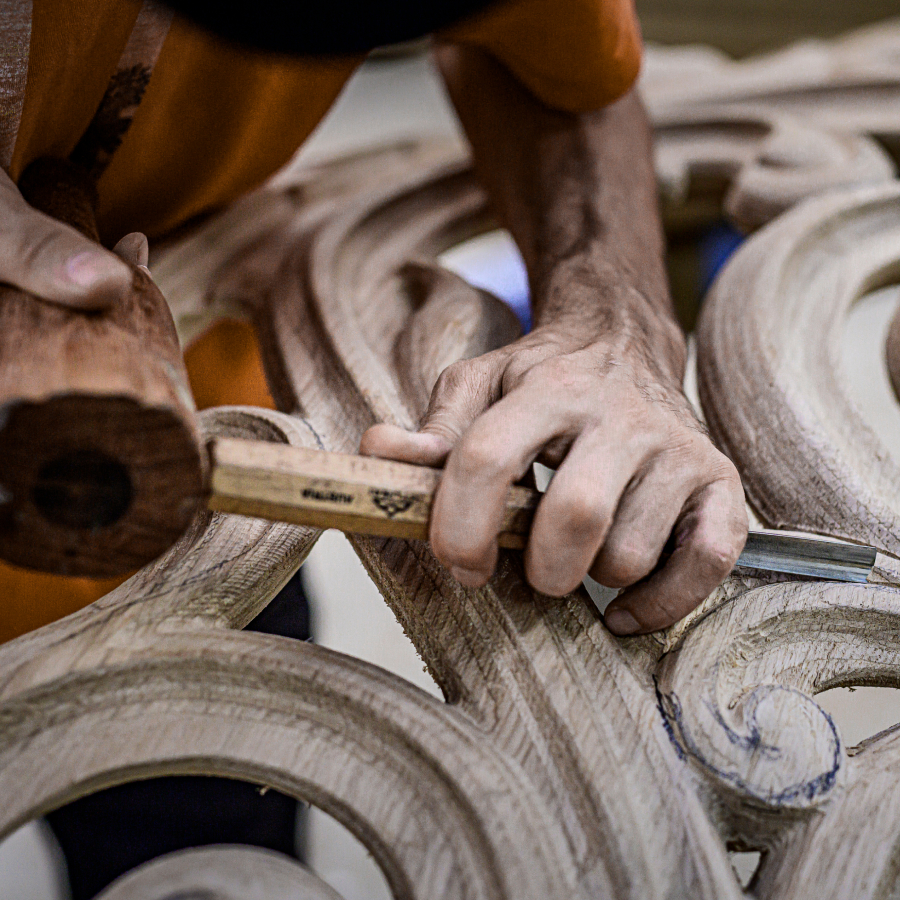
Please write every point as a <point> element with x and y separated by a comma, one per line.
<point>752,164</point>
<point>769,368</point>
<point>436,805</point>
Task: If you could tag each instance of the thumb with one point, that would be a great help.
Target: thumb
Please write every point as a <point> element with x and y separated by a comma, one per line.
<point>463,392</point>
<point>133,248</point>
<point>45,257</point>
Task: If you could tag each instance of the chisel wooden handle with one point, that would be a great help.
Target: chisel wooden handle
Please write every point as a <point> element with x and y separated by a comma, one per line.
<point>101,462</point>
<point>359,494</point>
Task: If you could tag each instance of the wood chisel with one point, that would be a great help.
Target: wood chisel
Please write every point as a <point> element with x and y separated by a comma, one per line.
<point>103,467</point>
<point>365,495</point>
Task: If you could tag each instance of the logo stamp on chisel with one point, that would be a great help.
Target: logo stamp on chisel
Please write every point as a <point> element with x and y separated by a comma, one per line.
<point>391,502</point>
<point>327,496</point>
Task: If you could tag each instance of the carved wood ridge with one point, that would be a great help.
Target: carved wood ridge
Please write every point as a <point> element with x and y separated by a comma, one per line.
<point>564,763</point>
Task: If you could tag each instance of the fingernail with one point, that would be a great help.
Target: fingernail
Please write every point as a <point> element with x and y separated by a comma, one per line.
<point>467,577</point>
<point>87,268</point>
<point>620,621</point>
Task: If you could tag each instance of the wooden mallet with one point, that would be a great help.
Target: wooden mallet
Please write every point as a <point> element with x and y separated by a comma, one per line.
<point>102,465</point>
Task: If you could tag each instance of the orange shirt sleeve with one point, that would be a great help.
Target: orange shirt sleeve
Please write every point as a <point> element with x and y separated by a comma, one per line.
<point>574,55</point>
<point>216,121</point>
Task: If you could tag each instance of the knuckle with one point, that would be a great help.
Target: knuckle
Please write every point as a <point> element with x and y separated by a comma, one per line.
<point>460,377</point>
<point>451,377</point>
<point>625,563</point>
<point>514,372</point>
<point>694,453</point>
<point>557,371</point>
<point>698,462</point>
<point>477,457</point>
<point>716,554</point>
<point>583,516</point>
<point>554,367</point>
<point>444,429</point>
<point>725,471</point>
<point>33,245</point>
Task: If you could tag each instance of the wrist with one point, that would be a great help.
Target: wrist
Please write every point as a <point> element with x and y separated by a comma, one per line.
<point>612,313</point>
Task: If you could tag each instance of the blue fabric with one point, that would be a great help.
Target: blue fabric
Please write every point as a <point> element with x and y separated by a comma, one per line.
<point>715,249</point>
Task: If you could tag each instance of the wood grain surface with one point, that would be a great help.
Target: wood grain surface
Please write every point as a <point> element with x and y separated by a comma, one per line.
<point>768,352</point>
<point>563,762</point>
<point>849,84</point>
<point>765,132</point>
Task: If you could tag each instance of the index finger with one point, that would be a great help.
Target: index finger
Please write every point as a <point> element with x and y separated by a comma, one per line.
<point>495,451</point>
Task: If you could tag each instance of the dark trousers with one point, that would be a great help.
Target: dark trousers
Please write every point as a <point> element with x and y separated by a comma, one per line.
<point>109,833</point>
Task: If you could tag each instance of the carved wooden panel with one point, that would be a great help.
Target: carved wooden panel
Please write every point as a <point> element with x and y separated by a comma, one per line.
<point>793,123</point>
<point>752,162</point>
<point>850,84</point>
<point>772,327</point>
<point>563,763</point>
<point>771,380</point>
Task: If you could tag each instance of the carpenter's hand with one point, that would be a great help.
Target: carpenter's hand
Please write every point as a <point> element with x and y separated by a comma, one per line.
<point>634,466</point>
<point>55,262</point>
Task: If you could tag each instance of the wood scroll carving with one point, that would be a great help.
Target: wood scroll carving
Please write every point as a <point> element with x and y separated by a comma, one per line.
<point>772,328</point>
<point>850,85</point>
<point>773,393</point>
<point>648,757</point>
<point>548,773</point>
<point>773,129</point>
<point>564,763</point>
<point>760,775</point>
<point>751,163</point>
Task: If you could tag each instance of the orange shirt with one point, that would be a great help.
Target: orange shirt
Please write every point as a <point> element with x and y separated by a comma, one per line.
<point>215,121</point>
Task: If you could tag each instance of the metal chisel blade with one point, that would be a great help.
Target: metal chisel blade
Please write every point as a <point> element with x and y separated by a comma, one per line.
<point>816,557</point>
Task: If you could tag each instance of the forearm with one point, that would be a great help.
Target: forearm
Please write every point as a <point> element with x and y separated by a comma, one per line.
<point>578,194</point>
<point>594,390</point>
